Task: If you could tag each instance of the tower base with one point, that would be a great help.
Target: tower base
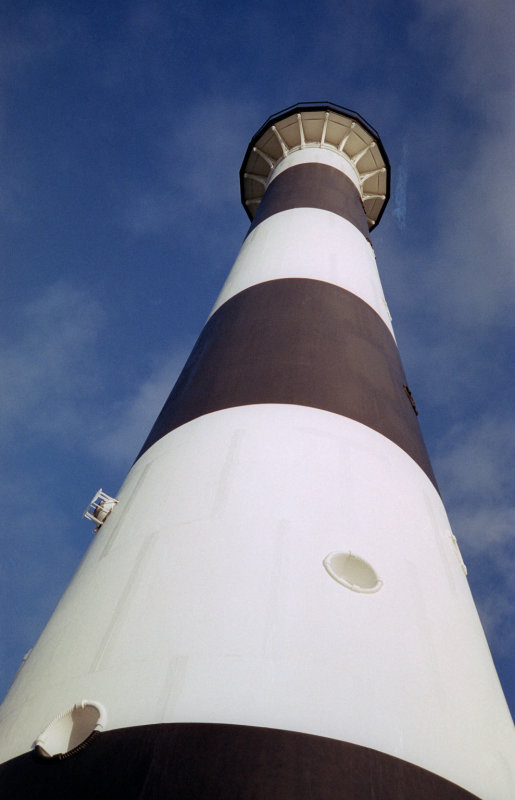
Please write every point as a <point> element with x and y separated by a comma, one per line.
<point>226,762</point>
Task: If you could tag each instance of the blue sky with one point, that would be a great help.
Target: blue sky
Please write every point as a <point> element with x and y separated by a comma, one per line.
<point>123,128</point>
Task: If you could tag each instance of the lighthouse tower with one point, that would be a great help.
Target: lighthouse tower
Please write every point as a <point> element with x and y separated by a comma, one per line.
<point>274,606</point>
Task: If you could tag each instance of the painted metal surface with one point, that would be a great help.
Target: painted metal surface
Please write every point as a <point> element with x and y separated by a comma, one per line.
<point>237,762</point>
<point>313,186</point>
<point>205,589</point>
<point>302,342</point>
<point>204,598</point>
<point>308,243</point>
<point>325,129</point>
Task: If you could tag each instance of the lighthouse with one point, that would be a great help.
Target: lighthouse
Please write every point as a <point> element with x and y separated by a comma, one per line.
<point>274,605</point>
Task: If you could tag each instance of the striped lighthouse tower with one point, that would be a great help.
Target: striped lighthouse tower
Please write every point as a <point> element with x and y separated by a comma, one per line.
<point>274,606</point>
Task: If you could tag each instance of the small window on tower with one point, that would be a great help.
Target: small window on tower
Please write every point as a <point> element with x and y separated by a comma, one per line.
<point>352,572</point>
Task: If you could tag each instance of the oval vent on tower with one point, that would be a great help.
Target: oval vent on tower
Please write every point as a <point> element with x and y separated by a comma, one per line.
<point>72,731</point>
<point>353,572</point>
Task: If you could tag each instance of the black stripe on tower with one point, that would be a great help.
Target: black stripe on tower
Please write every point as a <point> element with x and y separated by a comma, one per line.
<point>222,762</point>
<point>313,186</point>
<point>302,342</point>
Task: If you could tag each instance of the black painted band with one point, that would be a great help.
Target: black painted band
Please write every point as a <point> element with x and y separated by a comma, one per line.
<point>313,186</point>
<point>222,762</point>
<point>301,342</point>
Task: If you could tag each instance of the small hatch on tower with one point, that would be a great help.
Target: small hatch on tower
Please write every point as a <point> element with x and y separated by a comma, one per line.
<point>71,731</point>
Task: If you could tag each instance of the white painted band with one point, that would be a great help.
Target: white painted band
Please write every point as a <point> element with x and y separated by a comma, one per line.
<point>308,243</point>
<point>229,518</point>
<point>319,155</point>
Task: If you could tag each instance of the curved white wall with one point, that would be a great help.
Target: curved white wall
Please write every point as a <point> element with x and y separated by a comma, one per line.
<point>204,596</point>
<point>229,519</point>
<point>319,155</point>
<point>308,243</point>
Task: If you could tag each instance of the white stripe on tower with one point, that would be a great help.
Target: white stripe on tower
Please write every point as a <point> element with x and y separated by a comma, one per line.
<point>276,607</point>
<point>308,243</point>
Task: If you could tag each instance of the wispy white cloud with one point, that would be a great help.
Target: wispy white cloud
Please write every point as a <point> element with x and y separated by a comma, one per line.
<point>30,36</point>
<point>482,57</point>
<point>476,242</point>
<point>150,211</point>
<point>197,163</point>
<point>54,388</point>
<point>47,361</point>
<point>475,466</point>
<point>127,423</point>
<point>452,288</point>
<point>58,407</point>
<point>475,459</point>
<point>29,39</point>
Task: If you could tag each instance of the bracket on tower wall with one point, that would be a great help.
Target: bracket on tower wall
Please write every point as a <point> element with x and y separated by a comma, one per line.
<point>99,508</point>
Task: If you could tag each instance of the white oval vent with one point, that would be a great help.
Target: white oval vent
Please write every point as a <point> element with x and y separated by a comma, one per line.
<point>353,572</point>
<point>72,730</point>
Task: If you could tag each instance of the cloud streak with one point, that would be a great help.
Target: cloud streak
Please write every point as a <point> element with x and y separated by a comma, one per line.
<point>46,360</point>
